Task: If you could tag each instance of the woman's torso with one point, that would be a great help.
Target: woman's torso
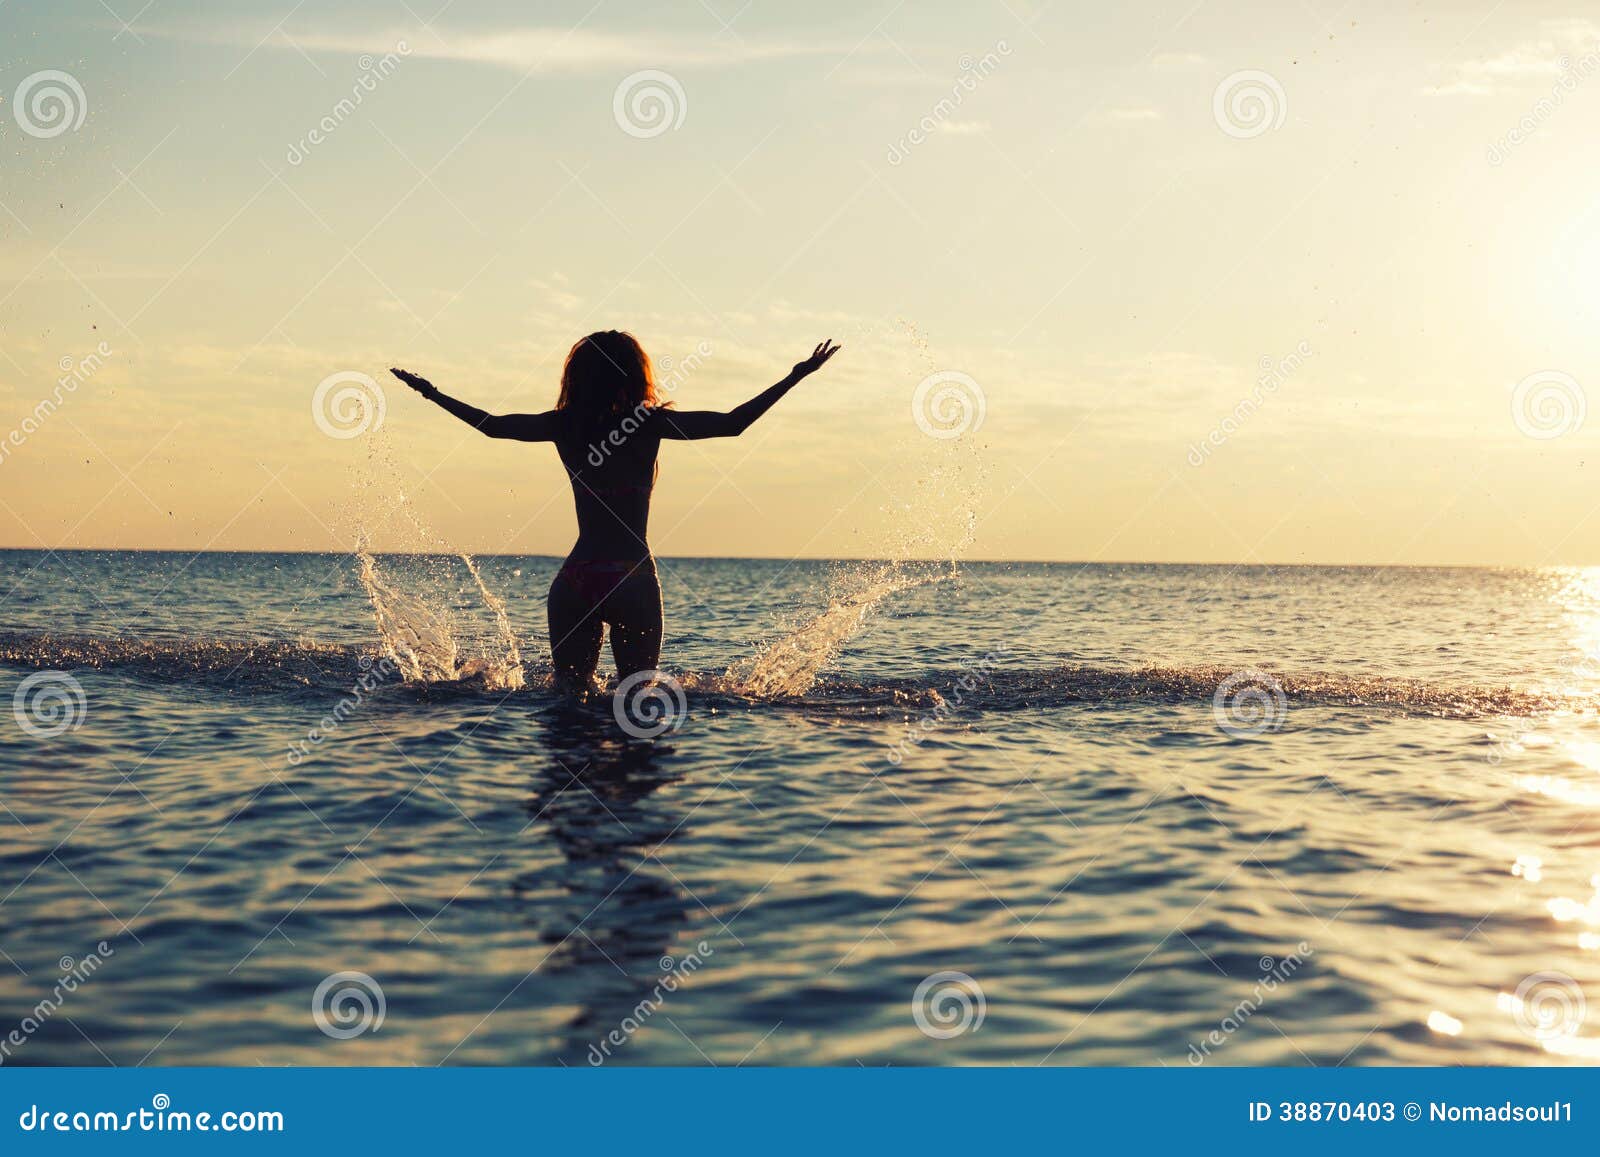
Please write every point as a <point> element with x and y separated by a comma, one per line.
<point>611,463</point>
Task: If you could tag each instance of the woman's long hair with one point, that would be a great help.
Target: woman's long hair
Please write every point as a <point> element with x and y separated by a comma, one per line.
<point>606,374</point>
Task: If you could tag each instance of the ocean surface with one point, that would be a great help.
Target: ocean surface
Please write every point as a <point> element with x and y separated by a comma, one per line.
<point>320,809</point>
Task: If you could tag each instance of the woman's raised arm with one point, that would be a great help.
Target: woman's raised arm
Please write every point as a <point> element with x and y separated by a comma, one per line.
<point>692,425</point>
<point>522,427</point>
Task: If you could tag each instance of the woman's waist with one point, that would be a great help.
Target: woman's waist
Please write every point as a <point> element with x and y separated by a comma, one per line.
<point>589,556</point>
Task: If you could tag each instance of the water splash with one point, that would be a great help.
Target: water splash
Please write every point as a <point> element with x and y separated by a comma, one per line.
<point>436,617</point>
<point>429,639</point>
<point>927,530</point>
<point>505,634</point>
<point>789,665</point>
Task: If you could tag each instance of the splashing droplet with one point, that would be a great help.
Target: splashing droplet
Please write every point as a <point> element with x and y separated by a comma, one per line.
<point>432,631</point>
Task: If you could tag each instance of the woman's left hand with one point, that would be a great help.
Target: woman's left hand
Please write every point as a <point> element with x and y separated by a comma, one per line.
<point>422,385</point>
<point>825,350</point>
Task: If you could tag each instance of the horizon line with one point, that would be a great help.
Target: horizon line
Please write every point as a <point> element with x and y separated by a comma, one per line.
<point>820,558</point>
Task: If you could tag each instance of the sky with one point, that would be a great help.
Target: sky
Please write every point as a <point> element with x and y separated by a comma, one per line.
<point>1259,283</point>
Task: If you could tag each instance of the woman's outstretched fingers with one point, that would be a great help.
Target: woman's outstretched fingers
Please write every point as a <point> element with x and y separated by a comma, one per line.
<point>419,384</point>
<point>820,353</point>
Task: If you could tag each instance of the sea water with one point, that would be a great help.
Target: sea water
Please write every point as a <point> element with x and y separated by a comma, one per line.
<point>325,809</point>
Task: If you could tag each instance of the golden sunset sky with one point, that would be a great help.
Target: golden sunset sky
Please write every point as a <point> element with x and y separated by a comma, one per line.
<point>1109,218</point>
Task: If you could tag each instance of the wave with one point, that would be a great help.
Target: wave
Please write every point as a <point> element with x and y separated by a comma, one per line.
<point>252,663</point>
<point>264,665</point>
<point>788,666</point>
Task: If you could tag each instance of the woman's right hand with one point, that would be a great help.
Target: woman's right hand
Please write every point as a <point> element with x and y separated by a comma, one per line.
<point>824,351</point>
<point>420,384</point>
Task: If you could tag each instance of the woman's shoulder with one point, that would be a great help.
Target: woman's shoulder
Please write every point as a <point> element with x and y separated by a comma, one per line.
<point>650,415</point>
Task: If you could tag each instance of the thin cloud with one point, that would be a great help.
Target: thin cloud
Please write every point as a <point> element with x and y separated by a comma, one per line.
<point>554,294</point>
<point>525,49</point>
<point>1168,61</point>
<point>1556,50</point>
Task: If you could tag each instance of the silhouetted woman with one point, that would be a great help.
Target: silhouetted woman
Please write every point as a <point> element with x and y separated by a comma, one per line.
<point>608,425</point>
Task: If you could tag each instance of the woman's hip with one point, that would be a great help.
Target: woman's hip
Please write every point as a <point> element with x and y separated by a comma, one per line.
<point>607,584</point>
